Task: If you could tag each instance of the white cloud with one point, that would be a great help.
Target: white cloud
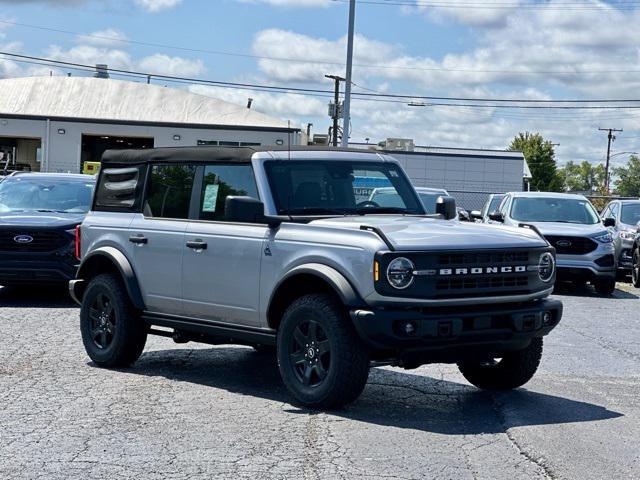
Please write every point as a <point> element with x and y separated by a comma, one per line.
<point>104,38</point>
<point>291,3</point>
<point>157,5</point>
<point>165,65</point>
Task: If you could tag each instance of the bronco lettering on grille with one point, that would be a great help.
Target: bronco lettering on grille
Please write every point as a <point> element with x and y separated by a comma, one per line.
<point>472,270</point>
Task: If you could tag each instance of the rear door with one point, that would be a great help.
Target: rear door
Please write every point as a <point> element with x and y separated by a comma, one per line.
<point>221,266</point>
<point>157,236</point>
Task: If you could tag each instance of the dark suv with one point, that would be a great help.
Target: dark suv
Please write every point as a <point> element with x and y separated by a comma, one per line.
<point>39,213</point>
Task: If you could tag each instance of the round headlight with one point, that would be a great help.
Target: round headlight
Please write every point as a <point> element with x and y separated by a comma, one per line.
<point>400,273</point>
<point>546,267</point>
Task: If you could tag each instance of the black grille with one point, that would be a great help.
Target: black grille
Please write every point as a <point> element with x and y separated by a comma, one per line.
<point>606,261</point>
<point>43,241</point>
<point>572,245</point>
<point>485,282</point>
<point>470,258</point>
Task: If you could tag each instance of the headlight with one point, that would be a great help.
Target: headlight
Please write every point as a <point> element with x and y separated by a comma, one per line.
<point>400,273</point>
<point>604,238</point>
<point>628,235</point>
<point>546,267</point>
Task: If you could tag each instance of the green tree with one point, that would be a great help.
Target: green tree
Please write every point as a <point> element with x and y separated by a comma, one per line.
<point>583,177</point>
<point>540,157</point>
<point>627,183</point>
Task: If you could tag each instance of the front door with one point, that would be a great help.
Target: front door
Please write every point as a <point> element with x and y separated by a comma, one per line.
<point>221,262</point>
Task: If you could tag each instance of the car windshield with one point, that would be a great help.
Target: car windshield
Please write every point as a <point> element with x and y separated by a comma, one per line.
<point>46,194</point>
<point>563,210</point>
<point>429,199</point>
<point>630,214</point>
<point>340,187</point>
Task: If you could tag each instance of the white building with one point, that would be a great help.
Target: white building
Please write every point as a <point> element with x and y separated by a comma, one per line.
<point>54,124</point>
<point>468,174</point>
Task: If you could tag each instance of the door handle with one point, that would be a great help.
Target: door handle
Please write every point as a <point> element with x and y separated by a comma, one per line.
<point>139,240</point>
<point>197,245</point>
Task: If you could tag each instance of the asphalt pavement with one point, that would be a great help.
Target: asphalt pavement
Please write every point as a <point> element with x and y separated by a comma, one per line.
<point>199,412</point>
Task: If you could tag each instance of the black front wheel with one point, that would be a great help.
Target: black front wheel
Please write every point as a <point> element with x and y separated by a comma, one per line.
<point>635,269</point>
<point>113,333</point>
<point>511,371</point>
<point>322,361</point>
<point>605,286</point>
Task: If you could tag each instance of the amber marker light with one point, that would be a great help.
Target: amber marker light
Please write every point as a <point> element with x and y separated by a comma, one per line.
<point>376,271</point>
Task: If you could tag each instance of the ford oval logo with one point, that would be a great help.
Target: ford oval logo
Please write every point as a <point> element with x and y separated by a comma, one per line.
<point>563,243</point>
<point>23,239</point>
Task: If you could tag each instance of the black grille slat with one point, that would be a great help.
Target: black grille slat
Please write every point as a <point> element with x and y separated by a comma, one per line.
<point>484,282</point>
<point>43,241</point>
<point>576,245</point>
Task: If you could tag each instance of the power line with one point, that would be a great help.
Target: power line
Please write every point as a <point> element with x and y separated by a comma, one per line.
<point>573,70</point>
<point>566,6</point>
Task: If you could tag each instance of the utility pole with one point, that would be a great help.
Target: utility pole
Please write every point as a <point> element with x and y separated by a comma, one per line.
<point>347,92</point>
<point>611,138</point>
<point>335,114</point>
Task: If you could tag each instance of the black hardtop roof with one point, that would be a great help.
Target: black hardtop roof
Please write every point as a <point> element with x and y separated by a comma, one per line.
<point>205,154</point>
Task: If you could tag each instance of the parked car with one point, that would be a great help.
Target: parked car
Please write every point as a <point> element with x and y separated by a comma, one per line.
<point>38,216</point>
<point>584,246</point>
<point>490,206</point>
<point>635,262</point>
<point>388,197</point>
<point>625,216</point>
<point>269,248</point>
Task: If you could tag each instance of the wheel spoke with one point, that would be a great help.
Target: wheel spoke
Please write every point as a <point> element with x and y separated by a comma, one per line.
<point>313,331</point>
<point>103,339</point>
<point>308,371</point>
<point>100,302</point>
<point>300,337</point>
<point>93,314</point>
<point>95,334</point>
<point>297,357</point>
<point>320,371</point>
<point>323,347</point>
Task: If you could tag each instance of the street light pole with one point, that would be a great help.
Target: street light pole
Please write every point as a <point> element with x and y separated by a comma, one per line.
<point>611,137</point>
<point>347,91</point>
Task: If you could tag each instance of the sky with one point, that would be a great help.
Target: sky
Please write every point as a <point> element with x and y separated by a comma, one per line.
<point>558,49</point>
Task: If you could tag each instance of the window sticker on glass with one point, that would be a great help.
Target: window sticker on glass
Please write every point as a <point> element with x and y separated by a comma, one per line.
<point>210,198</point>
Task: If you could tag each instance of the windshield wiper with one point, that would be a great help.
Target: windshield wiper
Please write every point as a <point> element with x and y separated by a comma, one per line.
<point>365,210</point>
<point>315,211</point>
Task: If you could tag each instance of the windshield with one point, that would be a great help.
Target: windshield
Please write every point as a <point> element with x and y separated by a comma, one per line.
<point>429,199</point>
<point>564,210</point>
<point>340,188</point>
<point>45,194</point>
<point>630,214</point>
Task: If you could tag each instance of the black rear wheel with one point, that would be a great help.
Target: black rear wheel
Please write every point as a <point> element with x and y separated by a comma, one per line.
<point>322,361</point>
<point>635,269</point>
<point>511,371</point>
<point>113,333</point>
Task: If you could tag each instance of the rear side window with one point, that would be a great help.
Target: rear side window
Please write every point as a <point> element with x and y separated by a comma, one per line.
<point>221,181</point>
<point>120,189</point>
<point>169,191</point>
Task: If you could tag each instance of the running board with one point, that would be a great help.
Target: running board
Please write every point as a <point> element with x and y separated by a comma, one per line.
<point>223,333</point>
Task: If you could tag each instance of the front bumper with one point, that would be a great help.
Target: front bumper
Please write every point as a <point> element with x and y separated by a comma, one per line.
<point>625,257</point>
<point>450,335</point>
<point>597,265</point>
<point>37,271</point>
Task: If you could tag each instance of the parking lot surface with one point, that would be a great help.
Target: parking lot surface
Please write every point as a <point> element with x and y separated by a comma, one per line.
<point>196,411</point>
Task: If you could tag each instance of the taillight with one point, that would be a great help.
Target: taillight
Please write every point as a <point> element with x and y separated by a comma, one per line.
<point>78,242</point>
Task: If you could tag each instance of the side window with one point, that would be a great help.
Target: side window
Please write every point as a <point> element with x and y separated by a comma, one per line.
<point>221,181</point>
<point>169,191</point>
<point>606,212</point>
<point>120,189</point>
<point>615,210</point>
<point>503,207</point>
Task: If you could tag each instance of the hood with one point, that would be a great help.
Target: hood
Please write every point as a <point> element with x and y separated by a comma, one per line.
<point>569,229</point>
<point>417,233</point>
<point>40,219</point>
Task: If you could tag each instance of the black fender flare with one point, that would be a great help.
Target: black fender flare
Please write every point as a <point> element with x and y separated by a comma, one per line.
<point>331,276</point>
<point>117,258</point>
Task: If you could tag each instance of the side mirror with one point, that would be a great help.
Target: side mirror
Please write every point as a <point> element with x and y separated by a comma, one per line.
<point>496,217</point>
<point>446,206</point>
<point>476,214</point>
<point>609,222</point>
<point>247,210</point>
<point>463,215</point>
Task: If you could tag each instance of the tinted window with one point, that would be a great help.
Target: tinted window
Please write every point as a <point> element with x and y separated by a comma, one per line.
<point>45,193</point>
<point>120,188</point>
<point>169,191</point>
<point>337,187</point>
<point>615,210</point>
<point>564,210</point>
<point>630,214</point>
<point>221,181</point>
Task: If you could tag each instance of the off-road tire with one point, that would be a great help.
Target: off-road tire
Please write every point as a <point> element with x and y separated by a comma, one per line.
<point>129,333</point>
<point>605,286</point>
<point>635,269</point>
<point>265,349</point>
<point>346,361</point>
<point>511,371</point>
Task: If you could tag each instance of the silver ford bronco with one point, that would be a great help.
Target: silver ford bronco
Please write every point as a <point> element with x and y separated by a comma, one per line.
<point>283,250</point>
